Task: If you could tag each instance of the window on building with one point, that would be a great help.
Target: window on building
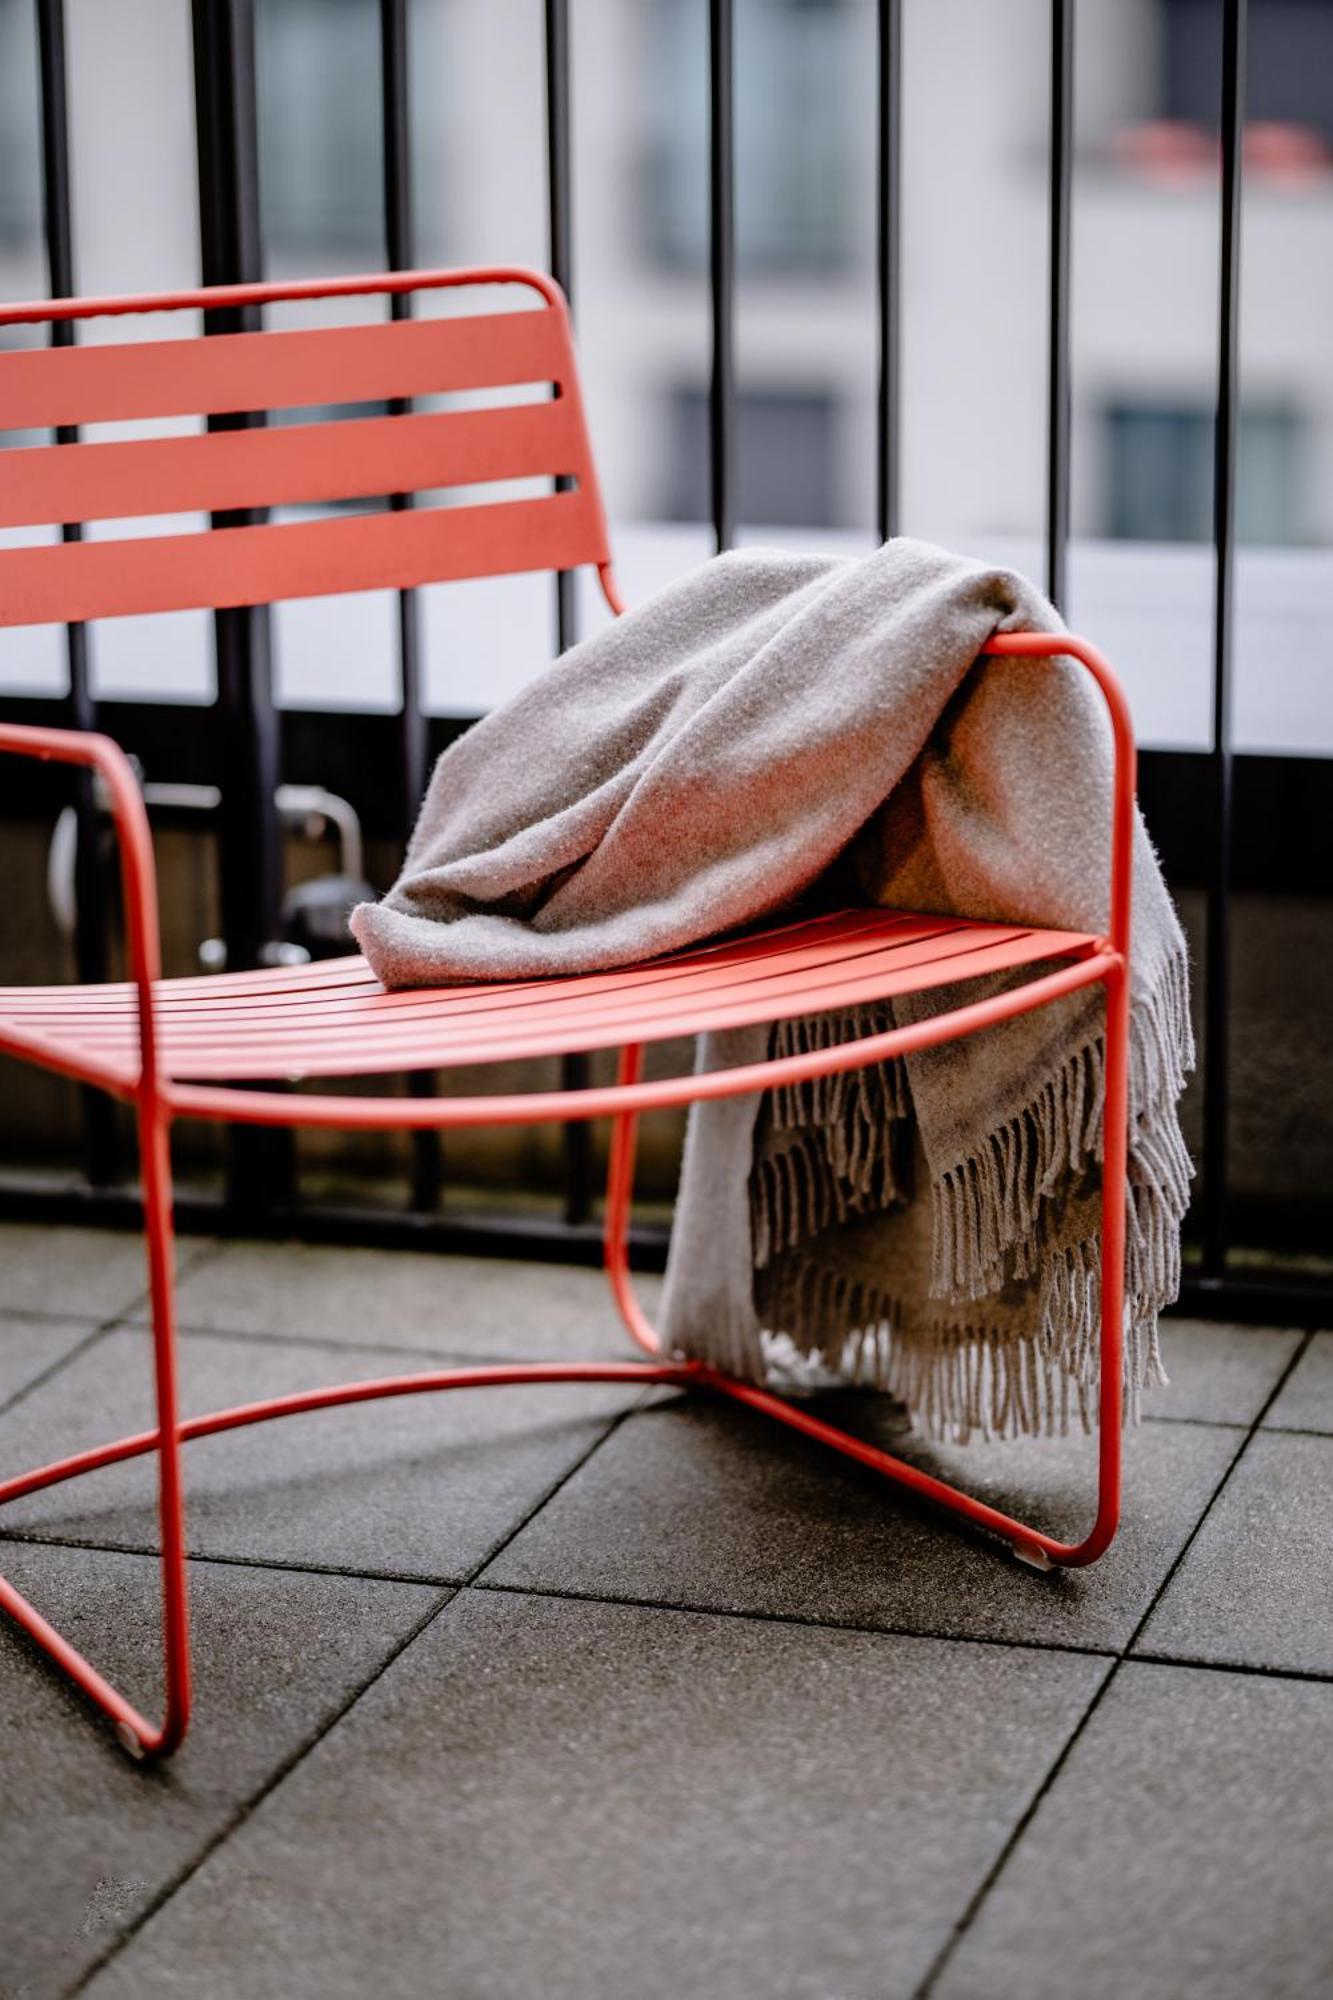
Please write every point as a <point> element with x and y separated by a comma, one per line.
<point>795,78</point>
<point>321,180</point>
<point>785,458</point>
<point>1288,69</point>
<point>1159,480</point>
<point>20,181</point>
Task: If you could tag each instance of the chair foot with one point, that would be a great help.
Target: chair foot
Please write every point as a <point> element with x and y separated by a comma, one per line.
<point>1033,1555</point>
<point>131,1742</point>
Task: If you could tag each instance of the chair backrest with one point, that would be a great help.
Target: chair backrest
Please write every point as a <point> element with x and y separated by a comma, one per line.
<point>253,466</point>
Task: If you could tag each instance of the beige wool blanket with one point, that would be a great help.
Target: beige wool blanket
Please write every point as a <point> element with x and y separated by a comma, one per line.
<point>774,730</point>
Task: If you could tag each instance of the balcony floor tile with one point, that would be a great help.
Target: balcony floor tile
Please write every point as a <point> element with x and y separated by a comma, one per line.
<point>695,1505</point>
<point>88,1840</point>
<point>1183,1850</point>
<point>75,1273</point>
<point>1257,1585</point>
<point>1219,1374</point>
<point>410,1300</point>
<point>1306,1401</point>
<point>585,1801</point>
<point>642,1750</point>
<point>417,1486</point>
<point>30,1347</point>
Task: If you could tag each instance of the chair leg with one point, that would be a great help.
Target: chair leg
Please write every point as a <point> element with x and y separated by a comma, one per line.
<point>155,1159</point>
<point>1115,1164</point>
<point>1030,1545</point>
<point>619,1202</point>
<point>136,1734</point>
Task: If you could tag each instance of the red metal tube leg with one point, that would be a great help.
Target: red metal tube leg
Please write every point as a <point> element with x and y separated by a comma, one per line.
<point>619,1202</point>
<point>139,1736</point>
<point>154,1146</point>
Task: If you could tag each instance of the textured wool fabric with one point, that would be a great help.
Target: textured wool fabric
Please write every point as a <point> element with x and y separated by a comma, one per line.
<point>773,728</point>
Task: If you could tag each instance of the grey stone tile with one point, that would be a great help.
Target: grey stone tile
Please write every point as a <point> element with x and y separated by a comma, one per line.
<point>408,1299</point>
<point>1182,1850</point>
<point>28,1347</point>
<point>1219,1374</point>
<point>1306,1401</point>
<point>1257,1585</point>
<point>691,1504</point>
<point>77,1273</point>
<point>88,1839</point>
<point>545,1800</point>
<point>412,1486</point>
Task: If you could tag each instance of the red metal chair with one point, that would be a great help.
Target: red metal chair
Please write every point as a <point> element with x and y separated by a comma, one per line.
<point>162,1045</point>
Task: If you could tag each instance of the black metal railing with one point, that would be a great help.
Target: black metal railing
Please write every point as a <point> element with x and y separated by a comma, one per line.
<point>249,746</point>
<point>888,262</point>
<point>1217,973</point>
<point>90,941</point>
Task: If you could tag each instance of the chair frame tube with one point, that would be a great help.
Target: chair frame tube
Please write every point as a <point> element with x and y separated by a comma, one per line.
<point>158,1101</point>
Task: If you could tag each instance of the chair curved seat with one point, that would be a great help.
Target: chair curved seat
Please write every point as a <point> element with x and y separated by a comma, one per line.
<point>334,1018</point>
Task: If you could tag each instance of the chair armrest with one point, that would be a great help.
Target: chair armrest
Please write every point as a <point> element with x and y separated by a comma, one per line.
<point>1066,645</point>
<point>137,872</point>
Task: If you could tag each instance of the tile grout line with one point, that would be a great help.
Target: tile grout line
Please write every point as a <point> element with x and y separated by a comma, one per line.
<point>262,1337</point>
<point>754,1615</point>
<point>303,1750</point>
<point>54,1368</point>
<point>48,1316</point>
<point>256,1798</point>
<point>603,1437</point>
<point>126,1322</point>
<point>37,1538</point>
<point>1251,1432</point>
<point>744,1614</point>
<point>977,1901</point>
<point>122,1317</point>
<point>1229,1424</point>
<point>792,1620</point>
<point>1186,1663</point>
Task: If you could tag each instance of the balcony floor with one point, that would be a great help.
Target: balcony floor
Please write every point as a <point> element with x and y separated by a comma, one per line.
<point>585,1692</point>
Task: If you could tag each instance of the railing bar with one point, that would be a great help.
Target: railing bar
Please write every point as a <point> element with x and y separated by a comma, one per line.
<point>57,205</point>
<point>1058,355</point>
<point>722,266</point>
<point>98,1116</point>
<point>427,1172</point>
<point>230,253</point>
<point>1217,960</point>
<point>560,235</point>
<point>400,255</point>
<point>575,1070</point>
<point>249,844</point>
<point>888,460</point>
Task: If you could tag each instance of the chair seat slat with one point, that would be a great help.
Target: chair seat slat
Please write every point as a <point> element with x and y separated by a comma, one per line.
<point>856,956</point>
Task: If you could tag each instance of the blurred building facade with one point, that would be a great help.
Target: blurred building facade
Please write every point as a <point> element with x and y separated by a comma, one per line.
<point>974,248</point>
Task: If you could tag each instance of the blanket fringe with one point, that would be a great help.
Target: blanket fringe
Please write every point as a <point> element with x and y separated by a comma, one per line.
<point>833,1150</point>
<point>797,1192</point>
<point>832,1144</point>
<point>996,1214</point>
<point>963,1379</point>
<point>867,1097</point>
